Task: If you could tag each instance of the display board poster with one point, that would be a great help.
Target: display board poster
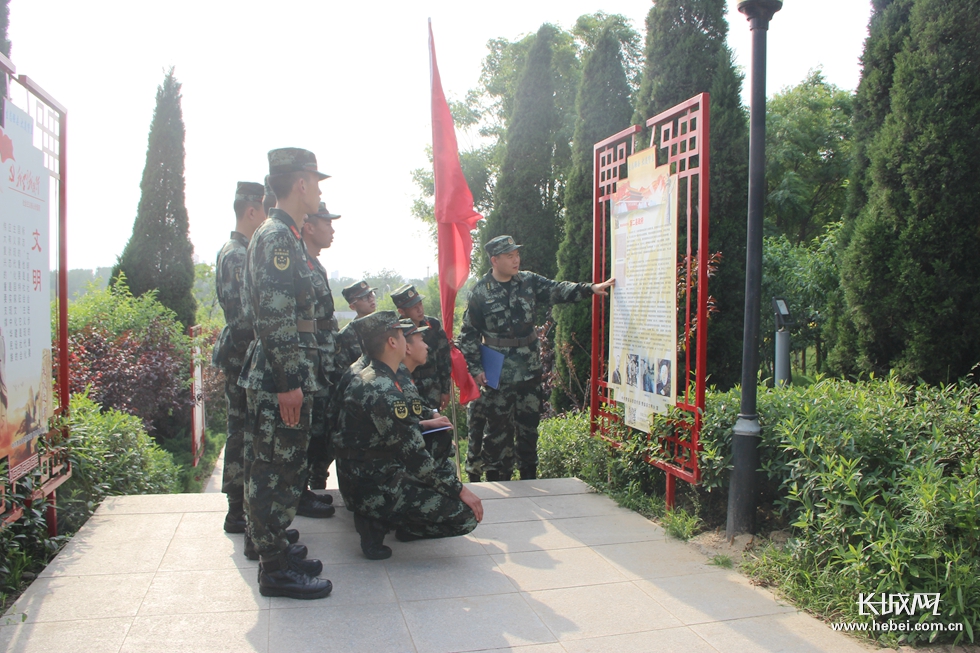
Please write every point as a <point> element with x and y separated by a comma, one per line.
<point>643,332</point>
<point>25,322</point>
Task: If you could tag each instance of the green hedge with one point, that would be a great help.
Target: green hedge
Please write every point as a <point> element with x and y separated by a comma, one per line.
<point>110,454</point>
<point>878,481</point>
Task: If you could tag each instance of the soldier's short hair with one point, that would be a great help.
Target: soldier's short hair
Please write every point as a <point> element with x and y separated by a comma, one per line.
<point>241,206</point>
<point>374,345</point>
<point>282,185</point>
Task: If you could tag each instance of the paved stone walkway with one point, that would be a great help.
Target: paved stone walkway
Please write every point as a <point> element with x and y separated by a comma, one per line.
<point>554,568</point>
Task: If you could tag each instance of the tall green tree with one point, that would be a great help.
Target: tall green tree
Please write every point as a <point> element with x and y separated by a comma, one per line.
<point>687,54</point>
<point>888,29</point>
<point>159,254</point>
<point>524,197</point>
<point>912,274</point>
<point>604,108</point>
<point>4,40</point>
<point>808,158</point>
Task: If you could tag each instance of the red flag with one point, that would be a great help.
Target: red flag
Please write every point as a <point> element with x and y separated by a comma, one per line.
<point>455,218</point>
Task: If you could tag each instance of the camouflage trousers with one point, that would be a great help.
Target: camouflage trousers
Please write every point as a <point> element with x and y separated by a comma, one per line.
<point>401,501</point>
<point>512,412</point>
<point>277,471</point>
<point>476,423</point>
<point>233,475</point>
<point>320,453</point>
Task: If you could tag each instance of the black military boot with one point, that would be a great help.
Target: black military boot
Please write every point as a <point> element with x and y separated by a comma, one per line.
<point>310,505</point>
<point>493,476</point>
<point>298,551</point>
<point>404,536</point>
<point>280,576</point>
<point>292,535</point>
<point>529,472</point>
<point>475,477</point>
<point>372,534</point>
<point>235,519</point>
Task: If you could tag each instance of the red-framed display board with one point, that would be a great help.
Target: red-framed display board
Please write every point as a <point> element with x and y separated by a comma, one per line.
<point>679,145</point>
<point>34,387</point>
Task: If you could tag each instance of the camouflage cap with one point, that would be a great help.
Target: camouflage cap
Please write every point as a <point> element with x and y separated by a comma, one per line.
<point>322,212</point>
<point>501,245</point>
<point>249,191</point>
<point>293,159</point>
<point>375,324</point>
<point>356,291</point>
<point>406,296</point>
<point>410,328</point>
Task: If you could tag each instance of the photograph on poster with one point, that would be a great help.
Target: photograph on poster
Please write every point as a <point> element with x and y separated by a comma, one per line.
<point>643,331</point>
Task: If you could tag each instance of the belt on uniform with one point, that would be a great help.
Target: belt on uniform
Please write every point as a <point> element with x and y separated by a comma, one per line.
<point>326,324</point>
<point>365,454</point>
<point>510,342</point>
<point>306,326</point>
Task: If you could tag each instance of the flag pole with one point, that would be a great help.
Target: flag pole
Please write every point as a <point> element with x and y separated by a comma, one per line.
<point>452,403</point>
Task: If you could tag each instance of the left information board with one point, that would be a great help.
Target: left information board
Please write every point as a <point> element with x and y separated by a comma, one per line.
<point>25,323</point>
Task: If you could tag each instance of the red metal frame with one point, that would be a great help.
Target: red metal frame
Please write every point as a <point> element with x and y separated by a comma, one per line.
<point>681,135</point>
<point>55,468</point>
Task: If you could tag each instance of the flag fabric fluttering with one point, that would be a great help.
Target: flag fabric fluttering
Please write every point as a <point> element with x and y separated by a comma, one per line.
<point>455,218</point>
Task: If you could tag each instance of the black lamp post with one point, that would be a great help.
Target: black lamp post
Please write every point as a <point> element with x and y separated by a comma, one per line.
<point>745,443</point>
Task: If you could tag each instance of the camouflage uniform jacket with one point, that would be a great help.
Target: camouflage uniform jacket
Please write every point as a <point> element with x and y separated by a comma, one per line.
<point>326,327</point>
<point>348,348</point>
<point>379,443</point>
<point>506,311</point>
<point>434,377</point>
<point>232,343</point>
<point>278,292</point>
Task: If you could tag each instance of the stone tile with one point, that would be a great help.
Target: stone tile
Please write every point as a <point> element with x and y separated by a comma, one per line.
<point>539,570</point>
<point>599,611</point>
<point>515,537</point>
<point>334,548</point>
<point>656,559</point>
<point>536,488</point>
<point>90,636</point>
<point>224,551</point>
<point>216,590</point>
<point>795,632</point>
<point>711,597</point>
<point>202,524</point>
<point>444,547</point>
<point>498,511</point>
<point>128,527</point>
<point>156,503</point>
<point>363,583</point>
<point>80,558</point>
<point>71,598</point>
<point>440,578</point>
<point>322,626</point>
<point>668,640</point>
<point>227,632</point>
<point>576,505</point>
<point>474,623</point>
<point>341,522</point>
<point>617,528</point>
<point>533,648</point>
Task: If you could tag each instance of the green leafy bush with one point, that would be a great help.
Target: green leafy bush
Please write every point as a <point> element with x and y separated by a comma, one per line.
<point>110,454</point>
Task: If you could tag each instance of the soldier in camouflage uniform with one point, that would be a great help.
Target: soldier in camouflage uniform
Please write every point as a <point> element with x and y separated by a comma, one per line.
<point>318,235</point>
<point>229,349</point>
<point>387,477</point>
<point>433,379</point>
<point>500,315</point>
<point>476,424</point>
<point>282,374</point>
<point>362,299</point>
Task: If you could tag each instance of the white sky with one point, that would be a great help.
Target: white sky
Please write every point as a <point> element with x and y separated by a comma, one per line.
<point>348,81</point>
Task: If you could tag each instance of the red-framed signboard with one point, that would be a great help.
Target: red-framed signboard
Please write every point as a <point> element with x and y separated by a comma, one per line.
<point>33,225</point>
<point>672,175</point>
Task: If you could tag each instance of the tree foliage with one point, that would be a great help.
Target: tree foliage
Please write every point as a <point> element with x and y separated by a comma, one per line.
<point>686,54</point>
<point>604,108</point>
<point>158,255</point>
<point>808,157</point>
<point>912,274</point>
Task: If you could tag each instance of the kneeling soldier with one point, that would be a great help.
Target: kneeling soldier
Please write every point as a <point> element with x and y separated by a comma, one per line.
<point>387,476</point>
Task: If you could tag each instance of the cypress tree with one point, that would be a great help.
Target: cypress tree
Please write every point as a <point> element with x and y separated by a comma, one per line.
<point>912,274</point>
<point>686,54</point>
<point>523,197</point>
<point>604,108</point>
<point>158,255</point>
